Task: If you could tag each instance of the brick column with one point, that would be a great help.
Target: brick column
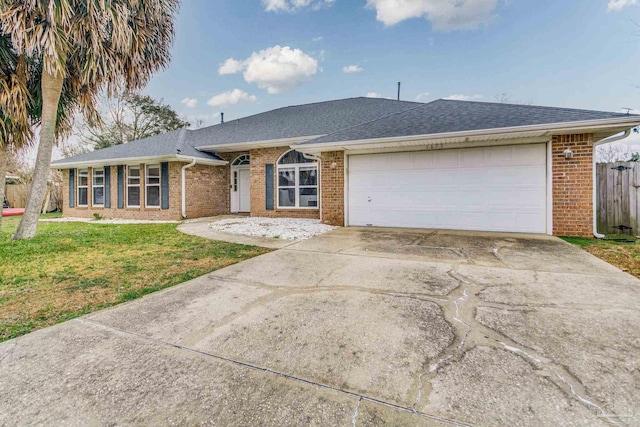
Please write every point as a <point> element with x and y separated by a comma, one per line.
<point>333,188</point>
<point>572,185</point>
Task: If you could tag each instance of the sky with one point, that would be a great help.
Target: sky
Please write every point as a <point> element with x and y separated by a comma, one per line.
<point>249,56</point>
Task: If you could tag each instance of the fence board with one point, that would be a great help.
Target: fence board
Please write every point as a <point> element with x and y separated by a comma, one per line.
<point>618,199</point>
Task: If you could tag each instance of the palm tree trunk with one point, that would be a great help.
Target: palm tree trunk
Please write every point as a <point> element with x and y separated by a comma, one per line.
<point>51,91</point>
<point>3,174</point>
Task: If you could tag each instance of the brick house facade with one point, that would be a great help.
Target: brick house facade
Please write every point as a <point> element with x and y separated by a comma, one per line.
<point>208,189</point>
<point>333,132</point>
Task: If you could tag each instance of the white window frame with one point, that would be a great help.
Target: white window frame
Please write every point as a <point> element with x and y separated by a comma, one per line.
<point>133,185</point>
<point>94,186</point>
<point>82,173</point>
<point>147,185</point>
<point>297,186</point>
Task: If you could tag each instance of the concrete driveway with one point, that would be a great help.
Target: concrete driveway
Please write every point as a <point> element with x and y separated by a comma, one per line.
<point>356,327</point>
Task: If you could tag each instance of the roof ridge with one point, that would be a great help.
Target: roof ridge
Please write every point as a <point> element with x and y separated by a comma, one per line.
<point>181,140</point>
<point>308,104</point>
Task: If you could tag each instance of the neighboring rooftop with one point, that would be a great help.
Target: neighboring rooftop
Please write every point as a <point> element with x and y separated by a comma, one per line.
<point>447,116</point>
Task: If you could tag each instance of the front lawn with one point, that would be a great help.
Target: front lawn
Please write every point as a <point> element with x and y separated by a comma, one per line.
<point>71,269</point>
<point>625,256</point>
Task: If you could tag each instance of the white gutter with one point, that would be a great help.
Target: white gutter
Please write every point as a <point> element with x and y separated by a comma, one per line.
<point>137,161</point>
<point>184,187</point>
<point>540,130</point>
<point>595,179</point>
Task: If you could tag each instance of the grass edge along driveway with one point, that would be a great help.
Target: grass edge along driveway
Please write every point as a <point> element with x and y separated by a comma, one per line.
<point>71,269</point>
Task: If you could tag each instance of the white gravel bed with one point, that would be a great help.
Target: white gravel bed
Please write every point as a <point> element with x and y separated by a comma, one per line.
<point>279,228</point>
<point>108,221</point>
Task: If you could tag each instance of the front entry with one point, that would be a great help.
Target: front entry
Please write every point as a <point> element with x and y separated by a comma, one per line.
<point>244,193</point>
<point>241,185</point>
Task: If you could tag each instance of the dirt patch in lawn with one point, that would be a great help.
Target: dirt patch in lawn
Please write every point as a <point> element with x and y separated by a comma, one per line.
<point>625,256</point>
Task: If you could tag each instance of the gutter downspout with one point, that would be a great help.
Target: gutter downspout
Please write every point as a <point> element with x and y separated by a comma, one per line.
<point>184,187</point>
<point>595,179</point>
<point>319,160</point>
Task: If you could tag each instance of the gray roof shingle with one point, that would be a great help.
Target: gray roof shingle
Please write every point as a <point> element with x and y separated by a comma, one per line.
<point>314,119</point>
<point>343,120</point>
<point>166,144</point>
<point>445,116</point>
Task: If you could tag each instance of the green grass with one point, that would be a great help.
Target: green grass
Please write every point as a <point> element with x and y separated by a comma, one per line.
<point>71,269</point>
<point>624,255</point>
<point>588,241</point>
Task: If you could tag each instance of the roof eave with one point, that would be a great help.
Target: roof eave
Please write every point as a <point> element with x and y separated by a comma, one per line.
<point>252,145</point>
<point>605,126</point>
<point>138,160</point>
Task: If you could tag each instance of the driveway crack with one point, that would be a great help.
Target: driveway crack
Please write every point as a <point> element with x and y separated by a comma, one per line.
<point>354,419</point>
<point>269,371</point>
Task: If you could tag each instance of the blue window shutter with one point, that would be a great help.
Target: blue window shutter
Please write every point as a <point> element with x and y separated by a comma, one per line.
<point>120,187</point>
<point>269,186</point>
<point>72,188</point>
<point>107,186</point>
<point>164,185</point>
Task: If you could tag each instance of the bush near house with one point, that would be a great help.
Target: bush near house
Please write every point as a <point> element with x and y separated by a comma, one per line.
<point>70,269</point>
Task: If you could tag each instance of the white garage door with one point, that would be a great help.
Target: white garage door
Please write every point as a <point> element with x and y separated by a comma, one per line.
<point>488,189</point>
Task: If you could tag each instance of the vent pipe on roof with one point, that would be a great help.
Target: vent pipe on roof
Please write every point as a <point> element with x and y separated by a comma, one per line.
<point>221,118</point>
<point>399,91</point>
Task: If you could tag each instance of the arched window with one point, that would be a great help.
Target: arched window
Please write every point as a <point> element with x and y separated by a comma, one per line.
<point>297,181</point>
<point>245,159</point>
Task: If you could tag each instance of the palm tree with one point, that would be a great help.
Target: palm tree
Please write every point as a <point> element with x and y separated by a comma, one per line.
<point>14,106</point>
<point>85,46</point>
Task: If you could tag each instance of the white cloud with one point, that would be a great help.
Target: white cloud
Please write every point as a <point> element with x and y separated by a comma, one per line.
<point>374,95</point>
<point>190,102</point>
<point>317,39</point>
<point>231,97</point>
<point>277,69</point>
<point>230,66</point>
<point>292,6</point>
<point>617,5</point>
<point>352,69</point>
<point>422,96</point>
<point>460,97</point>
<point>445,15</point>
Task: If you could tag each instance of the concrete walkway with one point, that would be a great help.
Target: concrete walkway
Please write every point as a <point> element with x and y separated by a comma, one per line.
<point>355,327</point>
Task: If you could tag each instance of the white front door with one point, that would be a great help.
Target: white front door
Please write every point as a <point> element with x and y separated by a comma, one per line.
<point>240,189</point>
<point>244,184</point>
<point>488,189</point>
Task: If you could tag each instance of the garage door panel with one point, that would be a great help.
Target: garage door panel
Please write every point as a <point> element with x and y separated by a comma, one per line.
<point>490,188</point>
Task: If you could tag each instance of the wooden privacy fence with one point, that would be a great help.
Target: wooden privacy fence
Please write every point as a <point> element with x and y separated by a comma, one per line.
<point>618,197</point>
<point>16,195</point>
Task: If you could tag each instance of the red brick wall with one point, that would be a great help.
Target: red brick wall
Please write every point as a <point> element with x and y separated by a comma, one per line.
<point>207,191</point>
<point>572,185</point>
<point>141,213</point>
<point>259,158</point>
<point>333,188</point>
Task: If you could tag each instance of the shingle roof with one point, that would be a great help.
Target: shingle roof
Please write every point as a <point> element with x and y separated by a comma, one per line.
<point>314,119</point>
<point>343,120</point>
<point>445,116</point>
<point>166,144</point>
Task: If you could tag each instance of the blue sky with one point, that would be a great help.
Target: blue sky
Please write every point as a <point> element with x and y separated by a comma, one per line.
<point>569,53</point>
